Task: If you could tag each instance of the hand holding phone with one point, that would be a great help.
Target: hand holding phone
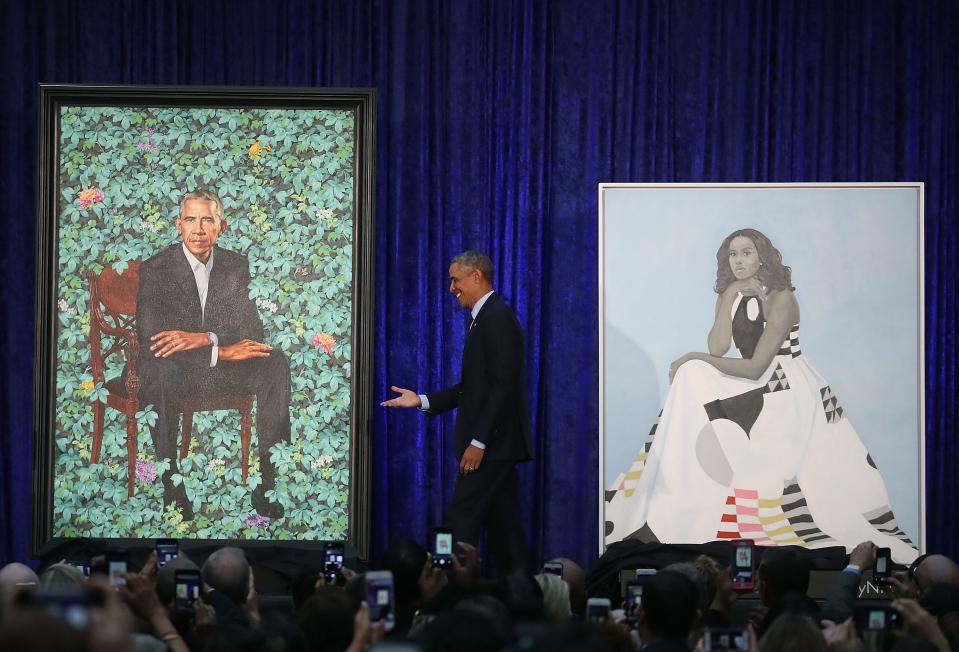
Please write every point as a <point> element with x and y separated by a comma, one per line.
<point>333,561</point>
<point>187,588</point>
<point>876,618</point>
<point>379,597</point>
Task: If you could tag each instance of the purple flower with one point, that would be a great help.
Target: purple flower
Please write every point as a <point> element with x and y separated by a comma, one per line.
<point>146,471</point>
<point>255,520</point>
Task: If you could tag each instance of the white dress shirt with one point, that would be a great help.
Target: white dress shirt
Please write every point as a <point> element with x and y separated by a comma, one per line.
<point>201,274</point>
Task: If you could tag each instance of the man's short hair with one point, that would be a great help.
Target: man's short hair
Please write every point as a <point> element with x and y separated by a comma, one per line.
<point>670,603</point>
<point>784,571</point>
<point>203,195</point>
<point>228,572</point>
<point>405,558</point>
<point>473,259</point>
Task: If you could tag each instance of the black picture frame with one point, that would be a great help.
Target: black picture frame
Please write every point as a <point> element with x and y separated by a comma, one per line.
<point>53,101</point>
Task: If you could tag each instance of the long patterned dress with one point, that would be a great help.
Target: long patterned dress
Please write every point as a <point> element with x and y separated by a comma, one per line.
<point>775,460</point>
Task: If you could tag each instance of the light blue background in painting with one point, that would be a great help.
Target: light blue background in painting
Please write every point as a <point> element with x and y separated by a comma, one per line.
<point>854,257</point>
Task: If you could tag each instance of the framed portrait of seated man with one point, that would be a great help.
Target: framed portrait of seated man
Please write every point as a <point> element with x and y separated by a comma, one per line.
<point>204,307</point>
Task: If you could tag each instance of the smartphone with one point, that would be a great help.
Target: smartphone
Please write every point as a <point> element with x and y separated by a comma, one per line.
<point>597,610</point>
<point>633,598</point>
<point>880,570</point>
<point>167,549</point>
<point>873,618</point>
<point>442,547</point>
<point>553,568</point>
<point>186,588</point>
<point>643,574</point>
<point>743,564</point>
<point>332,561</point>
<point>83,566</point>
<point>726,638</point>
<point>379,597</point>
<point>71,606</point>
<point>116,565</point>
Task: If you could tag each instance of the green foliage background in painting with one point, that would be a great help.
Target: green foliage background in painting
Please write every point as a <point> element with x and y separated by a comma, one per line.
<point>286,180</point>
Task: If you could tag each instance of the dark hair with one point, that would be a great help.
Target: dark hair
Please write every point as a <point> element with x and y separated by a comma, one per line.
<point>405,558</point>
<point>327,620</point>
<point>473,259</point>
<point>772,273</point>
<point>670,602</point>
<point>784,571</point>
<point>793,632</point>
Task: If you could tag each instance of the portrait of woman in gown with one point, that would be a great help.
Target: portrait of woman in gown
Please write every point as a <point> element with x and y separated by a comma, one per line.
<point>757,445</point>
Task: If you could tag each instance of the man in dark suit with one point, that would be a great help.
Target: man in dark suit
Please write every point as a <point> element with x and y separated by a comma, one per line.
<point>201,335</point>
<point>492,421</point>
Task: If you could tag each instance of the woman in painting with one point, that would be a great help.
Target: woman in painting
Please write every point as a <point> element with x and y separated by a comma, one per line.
<point>755,446</point>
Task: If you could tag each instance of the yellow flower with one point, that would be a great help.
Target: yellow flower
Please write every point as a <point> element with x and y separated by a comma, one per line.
<point>257,150</point>
<point>87,386</point>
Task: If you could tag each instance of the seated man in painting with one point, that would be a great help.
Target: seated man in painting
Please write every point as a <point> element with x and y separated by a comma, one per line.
<point>201,335</point>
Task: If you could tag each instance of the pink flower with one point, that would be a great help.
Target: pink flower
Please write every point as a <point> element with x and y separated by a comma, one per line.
<point>146,143</point>
<point>89,197</point>
<point>324,340</point>
<point>146,471</point>
<point>255,520</point>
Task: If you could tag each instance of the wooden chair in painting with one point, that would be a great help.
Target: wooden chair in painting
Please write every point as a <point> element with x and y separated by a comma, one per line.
<point>113,309</point>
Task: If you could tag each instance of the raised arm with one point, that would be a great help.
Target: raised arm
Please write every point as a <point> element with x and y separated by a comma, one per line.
<point>721,334</point>
<point>782,313</point>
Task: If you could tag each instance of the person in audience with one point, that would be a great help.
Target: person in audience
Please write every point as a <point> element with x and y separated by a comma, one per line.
<point>720,595</point>
<point>555,597</point>
<point>327,620</point>
<point>62,576</point>
<point>667,612</point>
<point>229,587</point>
<point>783,572</point>
<point>840,602</point>
<point>574,576</point>
<point>793,632</point>
<point>15,578</point>
<point>166,578</point>
<point>924,572</point>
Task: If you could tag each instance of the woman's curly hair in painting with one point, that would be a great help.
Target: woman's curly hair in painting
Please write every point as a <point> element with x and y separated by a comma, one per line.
<point>772,273</point>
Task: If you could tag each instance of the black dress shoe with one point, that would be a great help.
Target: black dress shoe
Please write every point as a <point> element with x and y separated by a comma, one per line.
<point>177,496</point>
<point>263,506</point>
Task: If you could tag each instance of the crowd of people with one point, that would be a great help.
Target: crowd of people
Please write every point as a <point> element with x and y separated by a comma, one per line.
<point>683,606</point>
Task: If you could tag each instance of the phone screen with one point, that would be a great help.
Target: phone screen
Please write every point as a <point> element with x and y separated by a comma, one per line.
<point>877,618</point>
<point>442,547</point>
<point>379,596</point>
<point>726,639</point>
<point>881,569</point>
<point>187,588</point>
<point>597,610</point>
<point>167,550</point>
<point>742,565</point>
<point>553,568</point>
<point>332,561</point>
<point>117,570</point>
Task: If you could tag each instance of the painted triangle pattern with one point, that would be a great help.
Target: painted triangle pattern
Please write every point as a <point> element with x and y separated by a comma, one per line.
<point>830,405</point>
<point>777,381</point>
<point>884,520</point>
<point>790,345</point>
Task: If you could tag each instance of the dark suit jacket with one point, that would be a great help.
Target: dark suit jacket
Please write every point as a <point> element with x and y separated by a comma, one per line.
<point>491,395</point>
<point>168,300</point>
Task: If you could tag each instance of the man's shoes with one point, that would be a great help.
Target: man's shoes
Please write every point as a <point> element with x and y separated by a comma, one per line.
<point>177,496</point>
<point>263,506</point>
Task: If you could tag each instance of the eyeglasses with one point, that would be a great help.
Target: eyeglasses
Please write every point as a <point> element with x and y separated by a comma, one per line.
<point>911,573</point>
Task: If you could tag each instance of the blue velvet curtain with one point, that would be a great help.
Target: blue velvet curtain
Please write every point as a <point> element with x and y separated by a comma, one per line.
<point>496,122</point>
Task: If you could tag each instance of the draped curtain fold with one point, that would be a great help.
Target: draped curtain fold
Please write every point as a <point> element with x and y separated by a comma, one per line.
<point>496,120</point>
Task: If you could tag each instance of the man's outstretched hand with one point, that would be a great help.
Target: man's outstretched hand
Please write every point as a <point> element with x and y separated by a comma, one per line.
<point>166,343</point>
<point>244,350</point>
<point>407,399</point>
